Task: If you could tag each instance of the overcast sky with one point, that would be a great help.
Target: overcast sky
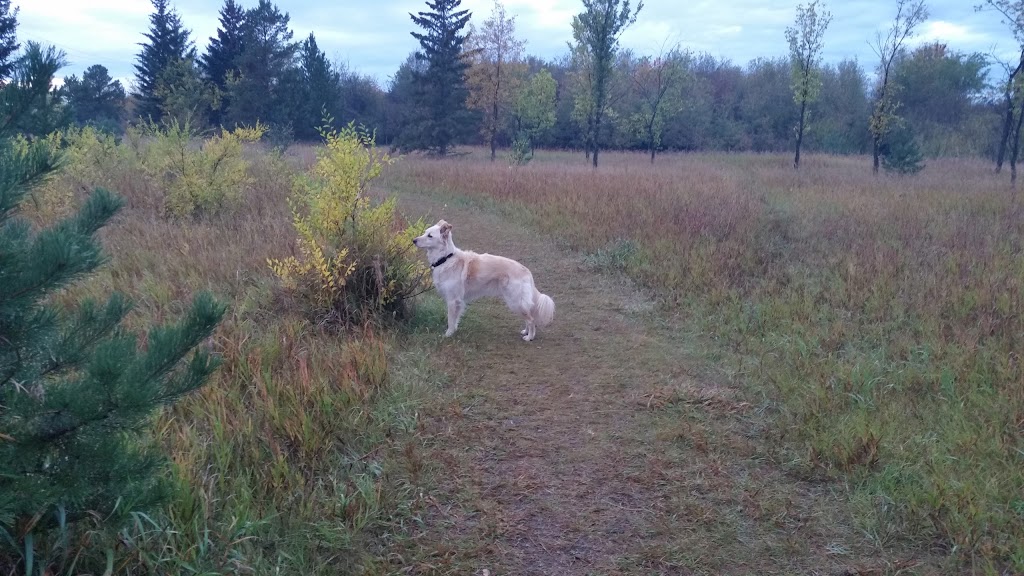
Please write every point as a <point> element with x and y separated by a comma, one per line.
<point>372,37</point>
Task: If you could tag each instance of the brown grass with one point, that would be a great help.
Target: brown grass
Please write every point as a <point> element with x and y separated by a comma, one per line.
<point>603,447</point>
<point>294,456</point>
<point>880,318</point>
<point>876,322</point>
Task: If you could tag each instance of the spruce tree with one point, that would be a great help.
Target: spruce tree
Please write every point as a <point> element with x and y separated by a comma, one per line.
<point>8,38</point>
<point>259,93</point>
<point>320,88</point>
<point>222,55</point>
<point>221,58</point>
<point>76,392</point>
<point>168,44</point>
<point>441,87</point>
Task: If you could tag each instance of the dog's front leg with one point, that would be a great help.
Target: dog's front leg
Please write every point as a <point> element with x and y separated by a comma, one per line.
<point>455,309</point>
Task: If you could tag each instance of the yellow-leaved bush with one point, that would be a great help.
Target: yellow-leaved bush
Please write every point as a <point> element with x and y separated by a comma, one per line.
<point>186,174</point>
<point>89,158</point>
<point>198,179</point>
<point>356,261</point>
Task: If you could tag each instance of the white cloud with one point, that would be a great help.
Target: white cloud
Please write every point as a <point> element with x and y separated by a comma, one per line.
<point>954,34</point>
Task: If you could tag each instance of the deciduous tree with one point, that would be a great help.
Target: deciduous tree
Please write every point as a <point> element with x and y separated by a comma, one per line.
<point>496,71</point>
<point>805,39</point>
<point>533,109</point>
<point>1012,13</point>
<point>596,32</point>
<point>657,81</point>
<point>909,15</point>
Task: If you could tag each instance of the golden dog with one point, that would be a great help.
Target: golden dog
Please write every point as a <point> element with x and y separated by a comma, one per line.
<point>461,277</point>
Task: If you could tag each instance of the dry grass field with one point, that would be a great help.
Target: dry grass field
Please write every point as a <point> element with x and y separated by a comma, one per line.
<point>877,320</point>
<point>779,372</point>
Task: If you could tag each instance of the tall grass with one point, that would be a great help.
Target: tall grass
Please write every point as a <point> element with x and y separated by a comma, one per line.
<point>295,458</point>
<point>879,318</point>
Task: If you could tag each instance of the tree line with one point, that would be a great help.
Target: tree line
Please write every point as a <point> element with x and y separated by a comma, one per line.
<point>470,84</point>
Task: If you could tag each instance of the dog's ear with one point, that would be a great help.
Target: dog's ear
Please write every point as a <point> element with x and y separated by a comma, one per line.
<point>446,228</point>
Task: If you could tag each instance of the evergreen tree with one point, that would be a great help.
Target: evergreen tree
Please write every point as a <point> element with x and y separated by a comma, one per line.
<point>441,115</point>
<point>259,93</point>
<point>95,99</point>
<point>75,390</point>
<point>400,103</point>
<point>8,38</point>
<point>900,152</point>
<point>168,43</point>
<point>28,104</point>
<point>221,58</point>
<point>184,95</point>
<point>222,55</point>
<point>320,88</point>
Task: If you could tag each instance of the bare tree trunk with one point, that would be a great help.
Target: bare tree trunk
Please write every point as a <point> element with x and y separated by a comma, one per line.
<point>594,134</point>
<point>650,139</point>
<point>800,134</point>
<point>875,153</point>
<point>494,144</point>
<point>1014,151</point>
<point>1008,120</point>
<point>1007,124</point>
<point>494,113</point>
<point>588,138</point>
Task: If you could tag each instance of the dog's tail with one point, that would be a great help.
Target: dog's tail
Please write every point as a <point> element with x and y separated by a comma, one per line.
<point>543,309</point>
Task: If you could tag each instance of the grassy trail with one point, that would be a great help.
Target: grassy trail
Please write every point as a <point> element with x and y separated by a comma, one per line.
<point>603,447</point>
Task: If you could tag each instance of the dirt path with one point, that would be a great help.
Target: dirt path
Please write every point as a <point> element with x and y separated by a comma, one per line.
<point>600,448</point>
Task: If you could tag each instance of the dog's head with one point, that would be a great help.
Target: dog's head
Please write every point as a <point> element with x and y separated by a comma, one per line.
<point>435,237</point>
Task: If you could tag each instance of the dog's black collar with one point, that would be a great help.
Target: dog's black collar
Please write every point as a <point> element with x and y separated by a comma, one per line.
<point>442,260</point>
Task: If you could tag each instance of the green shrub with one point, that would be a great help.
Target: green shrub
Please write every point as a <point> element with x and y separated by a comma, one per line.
<point>357,261</point>
<point>901,153</point>
<point>521,152</point>
<point>198,179</point>
<point>89,158</point>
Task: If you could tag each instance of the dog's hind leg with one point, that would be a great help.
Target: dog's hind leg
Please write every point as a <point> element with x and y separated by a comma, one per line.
<point>519,302</point>
<point>530,332</point>
<point>455,310</point>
